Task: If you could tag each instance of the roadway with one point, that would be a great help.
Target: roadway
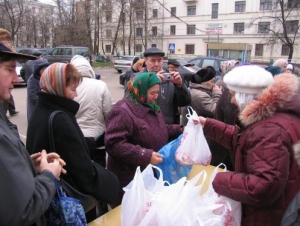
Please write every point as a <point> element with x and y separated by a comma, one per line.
<point>109,75</point>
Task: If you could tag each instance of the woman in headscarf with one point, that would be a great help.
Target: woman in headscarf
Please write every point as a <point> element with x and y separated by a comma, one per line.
<point>265,142</point>
<point>136,130</point>
<point>58,83</point>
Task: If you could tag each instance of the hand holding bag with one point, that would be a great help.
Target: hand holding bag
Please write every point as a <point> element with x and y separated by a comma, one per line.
<point>88,202</point>
<point>193,148</point>
<point>65,211</point>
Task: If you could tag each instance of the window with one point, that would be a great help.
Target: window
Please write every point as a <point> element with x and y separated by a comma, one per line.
<point>189,49</point>
<point>265,5</point>
<point>172,30</point>
<point>139,15</point>
<point>191,10</point>
<point>293,4</point>
<point>154,31</point>
<point>285,50</point>
<point>214,10</point>
<point>173,11</point>
<point>138,48</point>
<point>154,13</point>
<point>153,45</point>
<point>263,27</point>
<point>68,51</point>
<point>240,6</point>
<point>291,26</point>
<point>139,31</point>
<point>259,49</point>
<point>108,34</point>
<point>108,48</point>
<point>238,27</point>
<point>191,29</point>
<point>108,17</point>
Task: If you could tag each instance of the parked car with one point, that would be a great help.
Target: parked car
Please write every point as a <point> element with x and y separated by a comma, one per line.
<point>66,53</point>
<point>18,69</point>
<point>31,50</point>
<point>124,63</point>
<point>203,62</point>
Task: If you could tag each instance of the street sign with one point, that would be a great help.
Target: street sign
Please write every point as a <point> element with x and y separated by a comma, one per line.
<point>171,46</point>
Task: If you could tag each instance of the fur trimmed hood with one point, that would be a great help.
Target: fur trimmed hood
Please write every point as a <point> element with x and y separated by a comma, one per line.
<point>280,96</point>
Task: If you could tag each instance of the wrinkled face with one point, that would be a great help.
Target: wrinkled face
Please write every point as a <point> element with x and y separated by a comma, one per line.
<point>152,94</point>
<point>210,83</point>
<point>154,63</point>
<point>70,91</point>
<point>173,68</point>
<point>8,77</point>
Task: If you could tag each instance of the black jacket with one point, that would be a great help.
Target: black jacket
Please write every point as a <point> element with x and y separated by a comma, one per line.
<point>88,176</point>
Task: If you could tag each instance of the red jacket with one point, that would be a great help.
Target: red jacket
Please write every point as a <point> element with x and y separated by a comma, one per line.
<point>267,176</point>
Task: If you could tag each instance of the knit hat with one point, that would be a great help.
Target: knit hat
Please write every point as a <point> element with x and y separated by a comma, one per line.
<point>290,66</point>
<point>38,65</point>
<point>7,49</point>
<point>83,66</point>
<point>249,79</point>
<point>280,63</point>
<point>274,70</point>
<point>203,75</point>
<point>228,65</point>
<point>173,62</point>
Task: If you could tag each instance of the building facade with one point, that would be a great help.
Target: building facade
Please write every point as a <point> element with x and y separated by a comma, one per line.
<point>231,28</point>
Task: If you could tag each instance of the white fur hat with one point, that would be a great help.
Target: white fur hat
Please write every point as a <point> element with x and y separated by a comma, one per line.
<point>249,79</point>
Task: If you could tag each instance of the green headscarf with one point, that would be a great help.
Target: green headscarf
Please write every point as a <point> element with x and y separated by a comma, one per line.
<point>138,87</point>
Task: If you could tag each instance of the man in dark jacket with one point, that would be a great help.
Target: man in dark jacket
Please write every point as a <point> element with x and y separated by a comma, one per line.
<point>28,66</point>
<point>173,92</point>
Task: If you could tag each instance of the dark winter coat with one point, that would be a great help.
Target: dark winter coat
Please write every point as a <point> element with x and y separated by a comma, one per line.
<point>133,132</point>
<point>89,177</point>
<point>25,196</point>
<point>267,176</point>
<point>225,112</point>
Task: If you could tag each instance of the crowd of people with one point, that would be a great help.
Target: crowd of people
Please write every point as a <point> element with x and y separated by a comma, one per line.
<point>250,117</point>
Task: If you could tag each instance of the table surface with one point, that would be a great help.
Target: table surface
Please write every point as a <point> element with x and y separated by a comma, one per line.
<point>113,217</point>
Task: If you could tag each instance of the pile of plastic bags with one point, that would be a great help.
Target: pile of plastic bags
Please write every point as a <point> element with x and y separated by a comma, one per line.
<point>148,201</point>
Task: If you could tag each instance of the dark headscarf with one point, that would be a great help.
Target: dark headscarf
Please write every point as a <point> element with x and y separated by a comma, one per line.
<point>138,87</point>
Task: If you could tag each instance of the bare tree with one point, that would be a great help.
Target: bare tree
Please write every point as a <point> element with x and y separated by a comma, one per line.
<point>284,24</point>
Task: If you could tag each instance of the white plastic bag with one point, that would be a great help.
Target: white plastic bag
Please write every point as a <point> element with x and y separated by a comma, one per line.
<point>193,148</point>
<point>137,200</point>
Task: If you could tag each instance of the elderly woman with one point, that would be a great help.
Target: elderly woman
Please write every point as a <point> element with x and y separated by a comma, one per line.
<point>59,82</point>
<point>267,176</point>
<point>136,129</point>
<point>204,93</point>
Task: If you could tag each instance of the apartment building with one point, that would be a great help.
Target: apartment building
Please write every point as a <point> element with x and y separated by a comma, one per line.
<point>231,28</point>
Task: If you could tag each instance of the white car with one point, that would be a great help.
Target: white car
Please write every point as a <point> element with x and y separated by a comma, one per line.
<point>18,69</point>
<point>123,63</point>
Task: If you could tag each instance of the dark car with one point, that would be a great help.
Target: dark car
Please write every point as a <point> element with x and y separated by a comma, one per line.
<point>65,53</point>
<point>203,62</point>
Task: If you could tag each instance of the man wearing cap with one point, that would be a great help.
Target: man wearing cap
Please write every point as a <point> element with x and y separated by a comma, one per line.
<point>173,65</point>
<point>27,182</point>
<point>28,67</point>
<point>173,92</point>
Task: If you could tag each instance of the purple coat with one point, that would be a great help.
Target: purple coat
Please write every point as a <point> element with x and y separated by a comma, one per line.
<point>133,132</point>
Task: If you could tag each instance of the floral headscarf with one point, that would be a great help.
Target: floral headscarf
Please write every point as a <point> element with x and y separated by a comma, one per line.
<point>138,87</point>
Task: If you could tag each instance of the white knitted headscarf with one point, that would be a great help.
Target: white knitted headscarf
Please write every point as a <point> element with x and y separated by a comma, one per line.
<point>243,99</point>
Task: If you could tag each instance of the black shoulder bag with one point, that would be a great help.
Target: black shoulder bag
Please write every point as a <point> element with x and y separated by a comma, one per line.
<point>87,201</point>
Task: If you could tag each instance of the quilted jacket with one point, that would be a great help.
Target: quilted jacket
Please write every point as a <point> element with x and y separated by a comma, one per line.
<point>267,176</point>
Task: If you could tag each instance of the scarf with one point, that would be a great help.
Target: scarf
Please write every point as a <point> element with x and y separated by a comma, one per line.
<point>138,87</point>
<point>53,80</point>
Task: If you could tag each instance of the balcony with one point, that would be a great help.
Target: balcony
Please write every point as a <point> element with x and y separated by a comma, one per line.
<point>188,1</point>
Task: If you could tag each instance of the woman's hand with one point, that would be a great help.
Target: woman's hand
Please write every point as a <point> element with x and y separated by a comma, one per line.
<point>156,158</point>
<point>202,120</point>
<point>51,162</point>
